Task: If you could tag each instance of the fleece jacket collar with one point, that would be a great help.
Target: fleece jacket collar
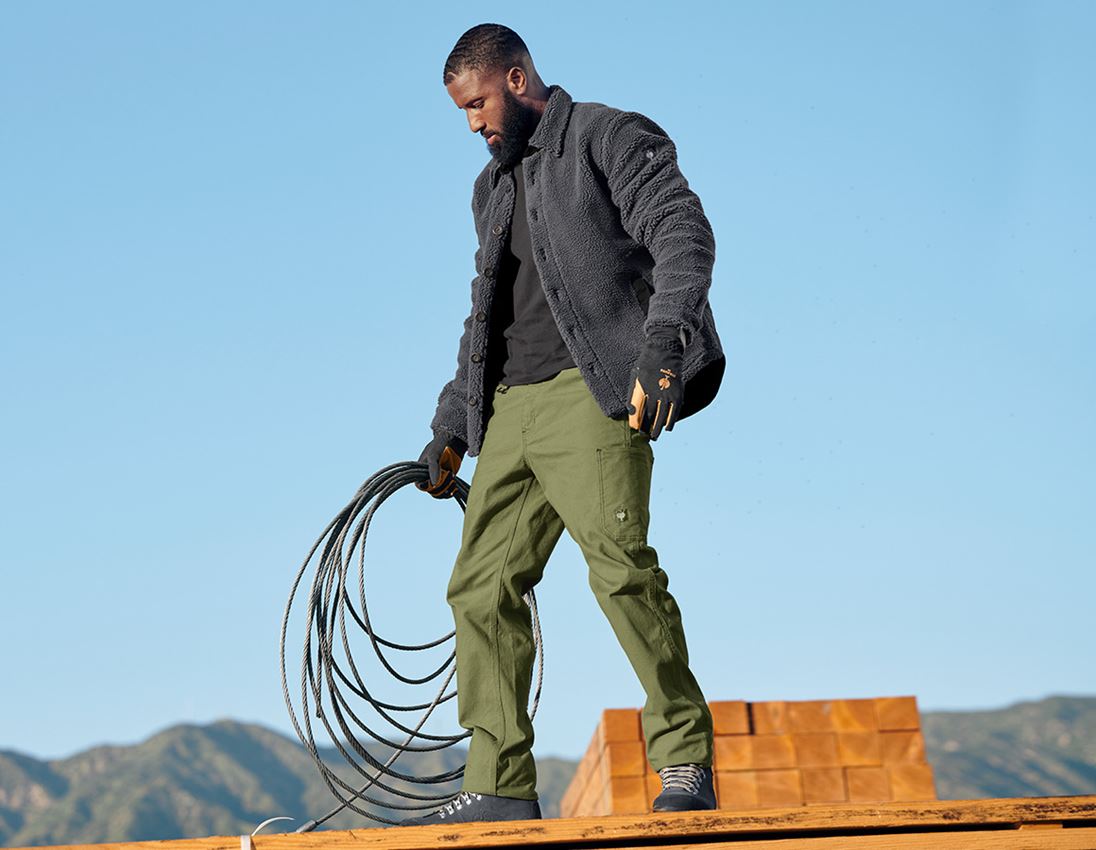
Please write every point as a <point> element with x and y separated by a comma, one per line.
<point>550,129</point>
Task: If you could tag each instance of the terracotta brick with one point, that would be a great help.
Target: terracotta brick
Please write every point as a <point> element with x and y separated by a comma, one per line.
<point>912,782</point>
<point>859,749</point>
<point>854,715</point>
<point>736,789</point>
<point>779,788</point>
<point>867,784</point>
<point>733,752</point>
<point>810,716</point>
<point>897,713</point>
<point>816,749</point>
<point>625,758</point>
<point>902,747</point>
<point>768,718</point>
<point>628,795</point>
<point>730,717</point>
<point>770,751</point>
<point>619,724</point>
<point>823,785</point>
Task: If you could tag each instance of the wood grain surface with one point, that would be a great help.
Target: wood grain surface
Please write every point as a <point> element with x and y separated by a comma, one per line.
<point>944,824</point>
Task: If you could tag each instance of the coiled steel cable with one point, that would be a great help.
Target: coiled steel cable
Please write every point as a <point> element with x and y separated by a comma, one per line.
<point>328,604</point>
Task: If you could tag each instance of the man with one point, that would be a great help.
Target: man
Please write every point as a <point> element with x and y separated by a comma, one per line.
<point>589,334</point>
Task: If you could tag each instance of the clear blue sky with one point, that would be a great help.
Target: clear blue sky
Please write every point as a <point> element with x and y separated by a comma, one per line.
<point>235,261</point>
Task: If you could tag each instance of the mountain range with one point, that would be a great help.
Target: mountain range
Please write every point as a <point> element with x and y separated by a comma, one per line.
<point>226,777</point>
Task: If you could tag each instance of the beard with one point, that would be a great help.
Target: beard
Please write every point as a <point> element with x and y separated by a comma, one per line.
<point>518,123</point>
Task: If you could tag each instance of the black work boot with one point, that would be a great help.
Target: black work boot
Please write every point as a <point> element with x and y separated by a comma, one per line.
<point>685,788</point>
<point>469,806</point>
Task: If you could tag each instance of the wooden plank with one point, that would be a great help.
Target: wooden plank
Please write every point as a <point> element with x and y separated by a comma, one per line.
<point>911,782</point>
<point>854,715</point>
<point>628,795</point>
<point>653,786</point>
<point>897,713</point>
<point>619,724</point>
<point>733,752</point>
<point>816,749</point>
<point>779,788</point>
<point>697,829</point>
<point>769,718</point>
<point>587,765</point>
<point>568,803</point>
<point>903,746</point>
<point>625,758</point>
<point>814,715</point>
<point>858,749</point>
<point>573,803</point>
<point>730,717</point>
<point>604,804</point>
<point>218,842</point>
<point>771,751</point>
<point>736,789</point>
<point>868,784</point>
<point>993,839</point>
<point>824,785</point>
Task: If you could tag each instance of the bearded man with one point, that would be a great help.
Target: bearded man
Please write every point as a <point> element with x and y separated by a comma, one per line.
<point>589,335</point>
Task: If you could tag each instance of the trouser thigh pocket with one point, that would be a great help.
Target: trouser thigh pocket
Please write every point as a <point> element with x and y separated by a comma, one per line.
<point>624,483</point>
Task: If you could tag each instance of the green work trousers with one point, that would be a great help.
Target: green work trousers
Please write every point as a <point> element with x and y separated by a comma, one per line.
<point>552,460</point>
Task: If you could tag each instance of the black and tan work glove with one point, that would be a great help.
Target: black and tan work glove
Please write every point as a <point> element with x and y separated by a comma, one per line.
<point>657,387</point>
<point>442,457</point>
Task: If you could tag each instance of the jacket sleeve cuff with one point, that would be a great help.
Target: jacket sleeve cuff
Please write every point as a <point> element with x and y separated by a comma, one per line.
<point>679,333</point>
<point>457,444</point>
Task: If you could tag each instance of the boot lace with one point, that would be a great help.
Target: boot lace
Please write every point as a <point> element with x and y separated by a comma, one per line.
<point>682,777</point>
<point>458,803</point>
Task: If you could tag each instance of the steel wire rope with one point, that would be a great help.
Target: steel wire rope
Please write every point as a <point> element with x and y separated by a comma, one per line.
<point>327,608</point>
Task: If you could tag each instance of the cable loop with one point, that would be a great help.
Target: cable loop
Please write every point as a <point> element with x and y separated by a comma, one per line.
<point>330,607</point>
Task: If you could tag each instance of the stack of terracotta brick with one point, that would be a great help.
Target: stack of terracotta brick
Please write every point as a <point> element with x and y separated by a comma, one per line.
<point>768,754</point>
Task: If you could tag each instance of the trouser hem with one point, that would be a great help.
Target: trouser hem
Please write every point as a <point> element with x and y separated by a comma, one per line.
<point>511,793</point>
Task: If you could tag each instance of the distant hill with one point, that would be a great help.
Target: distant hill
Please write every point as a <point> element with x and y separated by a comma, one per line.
<point>226,777</point>
<point>1031,749</point>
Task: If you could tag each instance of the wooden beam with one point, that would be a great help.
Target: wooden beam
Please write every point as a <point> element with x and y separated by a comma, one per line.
<point>990,839</point>
<point>947,822</point>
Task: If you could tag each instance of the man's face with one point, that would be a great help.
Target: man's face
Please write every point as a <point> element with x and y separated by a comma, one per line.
<point>490,99</point>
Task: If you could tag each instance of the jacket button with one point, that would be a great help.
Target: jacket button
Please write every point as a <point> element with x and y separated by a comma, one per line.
<point>497,229</point>
<point>650,154</point>
<point>477,357</point>
<point>472,401</point>
<point>481,316</point>
<point>489,271</point>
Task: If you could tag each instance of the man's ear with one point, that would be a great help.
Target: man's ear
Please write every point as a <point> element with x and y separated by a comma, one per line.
<point>517,80</point>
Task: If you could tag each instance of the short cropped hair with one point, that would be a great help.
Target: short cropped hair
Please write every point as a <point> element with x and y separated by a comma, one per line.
<point>485,46</point>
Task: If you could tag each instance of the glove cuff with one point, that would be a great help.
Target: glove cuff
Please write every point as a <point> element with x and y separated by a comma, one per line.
<point>454,442</point>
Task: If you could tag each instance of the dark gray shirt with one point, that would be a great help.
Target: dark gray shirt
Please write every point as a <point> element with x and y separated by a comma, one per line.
<point>524,332</point>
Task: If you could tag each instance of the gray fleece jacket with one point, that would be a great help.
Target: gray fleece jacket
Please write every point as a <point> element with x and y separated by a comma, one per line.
<point>621,244</point>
